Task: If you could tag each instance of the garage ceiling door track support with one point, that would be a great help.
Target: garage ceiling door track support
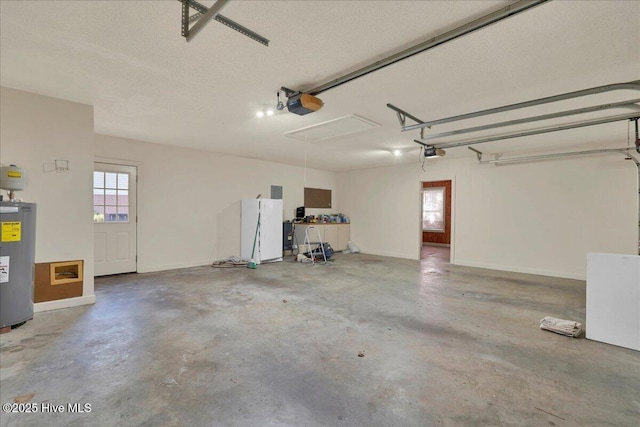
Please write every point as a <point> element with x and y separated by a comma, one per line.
<point>205,15</point>
<point>632,104</point>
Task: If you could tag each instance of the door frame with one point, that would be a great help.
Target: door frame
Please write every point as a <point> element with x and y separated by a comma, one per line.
<point>138,166</point>
<point>452,245</point>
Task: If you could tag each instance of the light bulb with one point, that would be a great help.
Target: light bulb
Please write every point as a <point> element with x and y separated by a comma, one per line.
<point>260,114</point>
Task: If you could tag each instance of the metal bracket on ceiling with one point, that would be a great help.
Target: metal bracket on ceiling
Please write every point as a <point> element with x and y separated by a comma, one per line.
<point>206,14</point>
<point>631,104</point>
<point>402,118</point>
<point>478,154</point>
<point>289,92</point>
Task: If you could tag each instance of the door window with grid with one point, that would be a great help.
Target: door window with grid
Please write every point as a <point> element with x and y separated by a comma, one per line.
<point>110,197</point>
<point>433,218</point>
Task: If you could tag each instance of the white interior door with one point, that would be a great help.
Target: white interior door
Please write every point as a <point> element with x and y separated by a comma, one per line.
<point>114,218</point>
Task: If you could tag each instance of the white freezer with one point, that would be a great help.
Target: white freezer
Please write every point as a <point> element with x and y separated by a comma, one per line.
<point>268,245</point>
<point>613,299</point>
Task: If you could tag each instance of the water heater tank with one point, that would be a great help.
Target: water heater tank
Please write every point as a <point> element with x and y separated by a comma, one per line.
<point>12,178</point>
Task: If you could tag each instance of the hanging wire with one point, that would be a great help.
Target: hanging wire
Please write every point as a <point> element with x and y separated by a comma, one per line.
<point>279,104</point>
<point>305,160</point>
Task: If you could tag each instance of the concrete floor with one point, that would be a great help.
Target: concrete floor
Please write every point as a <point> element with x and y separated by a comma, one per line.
<point>278,346</point>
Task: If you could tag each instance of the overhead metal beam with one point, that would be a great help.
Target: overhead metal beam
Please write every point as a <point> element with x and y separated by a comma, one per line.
<point>623,104</point>
<point>206,17</point>
<point>185,18</point>
<point>485,21</point>
<point>242,29</point>
<point>195,17</point>
<point>633,85</point>
<point>593,122</point>
<point>201,9</point>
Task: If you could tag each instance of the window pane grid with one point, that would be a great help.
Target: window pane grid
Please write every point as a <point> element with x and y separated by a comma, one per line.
<point>110,197</point>
<point>433,218</point>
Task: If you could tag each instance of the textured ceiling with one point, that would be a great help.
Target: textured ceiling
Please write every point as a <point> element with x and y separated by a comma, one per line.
<point>128,60</point>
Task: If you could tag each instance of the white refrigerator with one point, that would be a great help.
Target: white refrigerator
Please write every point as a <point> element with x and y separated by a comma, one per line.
<point>268,243</point>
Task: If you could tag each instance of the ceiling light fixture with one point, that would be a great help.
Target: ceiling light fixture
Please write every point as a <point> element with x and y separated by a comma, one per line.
<point>265,111</point>
<point>397,153</point>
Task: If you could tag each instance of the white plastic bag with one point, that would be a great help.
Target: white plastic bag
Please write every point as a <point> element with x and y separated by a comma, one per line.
<point>352,248</point>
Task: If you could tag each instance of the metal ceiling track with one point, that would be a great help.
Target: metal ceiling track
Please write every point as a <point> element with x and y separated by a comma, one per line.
<point>500,161</point>
<point>632,104</point>
<point>497,16</point>
<point>205,15</point>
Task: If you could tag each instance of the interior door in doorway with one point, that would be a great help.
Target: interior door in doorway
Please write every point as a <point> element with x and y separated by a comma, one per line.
<point>114,218</point>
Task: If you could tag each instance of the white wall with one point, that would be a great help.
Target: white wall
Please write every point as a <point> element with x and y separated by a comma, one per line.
<point>189,200</point>
<point>35,131</point>
<point>539,218</point>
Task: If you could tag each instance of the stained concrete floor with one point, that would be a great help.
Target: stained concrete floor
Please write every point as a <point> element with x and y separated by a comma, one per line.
<point>278,346</point>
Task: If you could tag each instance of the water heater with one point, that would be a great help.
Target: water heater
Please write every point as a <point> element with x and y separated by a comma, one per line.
<point>17,257</point>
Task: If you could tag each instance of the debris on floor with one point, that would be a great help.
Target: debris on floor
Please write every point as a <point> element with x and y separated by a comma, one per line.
<point>169,381</point>
<point>24,398</point>
<point>361,353</point>
<point>352,248</point>
<point>550,413</point>
<point>302,258</point>
<point>561,326</point>
<point>229,262</point>
<point>284,300</point>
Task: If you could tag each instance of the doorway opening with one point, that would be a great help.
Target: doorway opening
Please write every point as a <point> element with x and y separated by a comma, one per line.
<point>114,219</point>
<point>436,220</point>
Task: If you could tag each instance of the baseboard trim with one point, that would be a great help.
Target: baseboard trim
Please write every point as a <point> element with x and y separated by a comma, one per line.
<point>157,268</point>
<point>39,307</point>
<point>391,254</point>
<point>550,273</point>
